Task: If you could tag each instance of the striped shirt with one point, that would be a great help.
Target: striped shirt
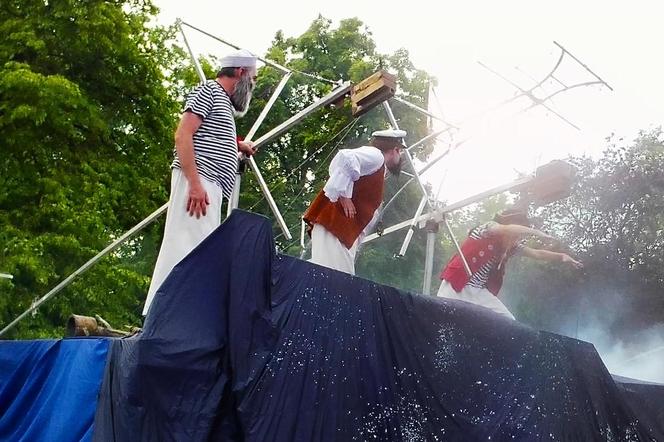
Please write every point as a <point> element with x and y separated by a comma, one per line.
<point>215,141</point>
<point>481,277</point>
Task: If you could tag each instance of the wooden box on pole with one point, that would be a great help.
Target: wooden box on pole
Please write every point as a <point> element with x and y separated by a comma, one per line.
<point>372,91</point>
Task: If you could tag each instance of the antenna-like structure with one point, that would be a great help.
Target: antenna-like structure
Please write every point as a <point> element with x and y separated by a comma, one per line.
<point>536,100</point>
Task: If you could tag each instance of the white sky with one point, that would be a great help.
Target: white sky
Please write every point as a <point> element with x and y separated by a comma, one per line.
<point>622,42</point>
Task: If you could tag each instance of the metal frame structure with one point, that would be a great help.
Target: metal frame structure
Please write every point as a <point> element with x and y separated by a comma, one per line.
<point>435,214</point>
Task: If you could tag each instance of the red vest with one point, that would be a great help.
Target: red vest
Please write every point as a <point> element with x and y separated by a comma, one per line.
<point>367,196</point>
<point>477,253</point>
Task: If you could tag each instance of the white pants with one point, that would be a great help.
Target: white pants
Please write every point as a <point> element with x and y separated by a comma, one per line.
<point>475,295</point>
<point>182,232</point>
<point>328,251</point>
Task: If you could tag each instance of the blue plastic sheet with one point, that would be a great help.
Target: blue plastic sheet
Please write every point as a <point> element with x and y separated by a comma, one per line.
<point>48,389</point>
<point>242,344</point>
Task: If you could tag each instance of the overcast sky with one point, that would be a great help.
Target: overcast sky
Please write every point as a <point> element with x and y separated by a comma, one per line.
<point>621,41</point>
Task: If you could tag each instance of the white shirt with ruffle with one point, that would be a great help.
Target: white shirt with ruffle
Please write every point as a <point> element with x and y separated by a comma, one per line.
<point>347,166</point>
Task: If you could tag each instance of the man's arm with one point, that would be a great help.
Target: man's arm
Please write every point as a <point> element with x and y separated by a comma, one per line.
<point>516,229</point>
<point>198,200</point>
<point>547,255</point>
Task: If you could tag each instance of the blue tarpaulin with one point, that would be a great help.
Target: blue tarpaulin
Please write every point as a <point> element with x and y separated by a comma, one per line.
<point>242,344</point>
<point>48,389</point>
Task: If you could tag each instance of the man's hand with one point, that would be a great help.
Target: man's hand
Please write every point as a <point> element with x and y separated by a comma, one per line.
<point>246,147</point>
<point>348,206</point>
<point>198,200</point>
<point>576,264</point>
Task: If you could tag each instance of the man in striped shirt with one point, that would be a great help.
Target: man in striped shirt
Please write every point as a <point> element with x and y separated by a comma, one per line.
<point>206,161</point>
<point>487,250</point>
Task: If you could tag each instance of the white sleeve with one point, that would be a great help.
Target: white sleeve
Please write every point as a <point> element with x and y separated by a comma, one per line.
<point>347,167</point>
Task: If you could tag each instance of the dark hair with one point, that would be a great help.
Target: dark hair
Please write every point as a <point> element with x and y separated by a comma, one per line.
<point>512,216</point>
<point>226,72</point>
<point>386,143</point>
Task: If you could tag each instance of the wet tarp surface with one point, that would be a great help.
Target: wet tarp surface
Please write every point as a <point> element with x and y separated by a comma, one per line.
<point>48,389</point>
<point>242,344</point>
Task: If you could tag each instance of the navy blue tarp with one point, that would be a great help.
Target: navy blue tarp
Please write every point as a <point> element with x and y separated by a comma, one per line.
<point>242,344</point>
<point>48,389</point>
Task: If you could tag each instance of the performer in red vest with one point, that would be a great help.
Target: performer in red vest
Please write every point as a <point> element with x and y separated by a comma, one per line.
<point>487,250</point>
<point>344,210</point>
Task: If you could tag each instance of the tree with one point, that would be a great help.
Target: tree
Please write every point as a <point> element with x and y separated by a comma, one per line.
<point>84,119</point>
<point>613,221</point>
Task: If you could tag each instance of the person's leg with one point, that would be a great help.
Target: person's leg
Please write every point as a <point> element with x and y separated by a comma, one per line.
<point>446,291</point>
<point>183,232</point>
<point>328,251</point>
<point>486,299</point>
<point>475,295</point>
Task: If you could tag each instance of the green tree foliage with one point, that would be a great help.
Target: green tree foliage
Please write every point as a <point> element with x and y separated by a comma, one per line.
<point>85,121</point>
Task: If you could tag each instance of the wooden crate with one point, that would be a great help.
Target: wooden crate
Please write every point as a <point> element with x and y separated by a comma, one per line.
<point>372,91</point>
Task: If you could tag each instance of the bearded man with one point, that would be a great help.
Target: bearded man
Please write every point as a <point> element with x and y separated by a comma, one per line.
<point>206,161</point>
<point>344,211</point>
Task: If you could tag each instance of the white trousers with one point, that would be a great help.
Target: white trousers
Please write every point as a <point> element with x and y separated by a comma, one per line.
<point>328,251</point>
<point>475,295</point>
<point>182,232</point>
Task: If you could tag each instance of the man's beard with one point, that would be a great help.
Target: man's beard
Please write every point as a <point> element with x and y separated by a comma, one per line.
<point>241,96</point>
<point>395,169</point>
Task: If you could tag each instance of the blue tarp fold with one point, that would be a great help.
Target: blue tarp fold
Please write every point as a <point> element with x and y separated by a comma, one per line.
<point>48,389</point>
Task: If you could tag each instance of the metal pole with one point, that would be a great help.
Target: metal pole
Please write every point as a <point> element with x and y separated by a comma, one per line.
<point>197,65</point>
<point>428,262</point>
<point>235,198</point>
<point>264,60</point>
<point>454,206</point>
<point>411,230</point>
<point>456,245</point>
<point>582,64</point>
<point>395,125</point>
<point>114,245</point>
<point>427,138</point>
<point>332,97</point>
<point>425,112</point>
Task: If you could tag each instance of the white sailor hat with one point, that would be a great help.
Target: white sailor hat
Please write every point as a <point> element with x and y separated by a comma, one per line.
<point>238,59</point>
<point>390,133</point>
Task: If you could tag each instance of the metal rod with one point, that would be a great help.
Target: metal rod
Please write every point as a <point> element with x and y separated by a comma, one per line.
<point>454,206</point>
<point>582,64</point>
<point>395,125</point>
<point>234,200</point>
<point>270,200</point>
<point>423,111</point>
<point>421,171</point>
<point>428,137</point>
<point>264,60</point>
<point>268,106</point>
<point>428,263</point>
<point>333,96</point>
<point>114,245</point>
<point>303,230</point>
<point>197,65</point>
<point>235,197</point>
<point>411,230</point>
<point>466,267</point>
